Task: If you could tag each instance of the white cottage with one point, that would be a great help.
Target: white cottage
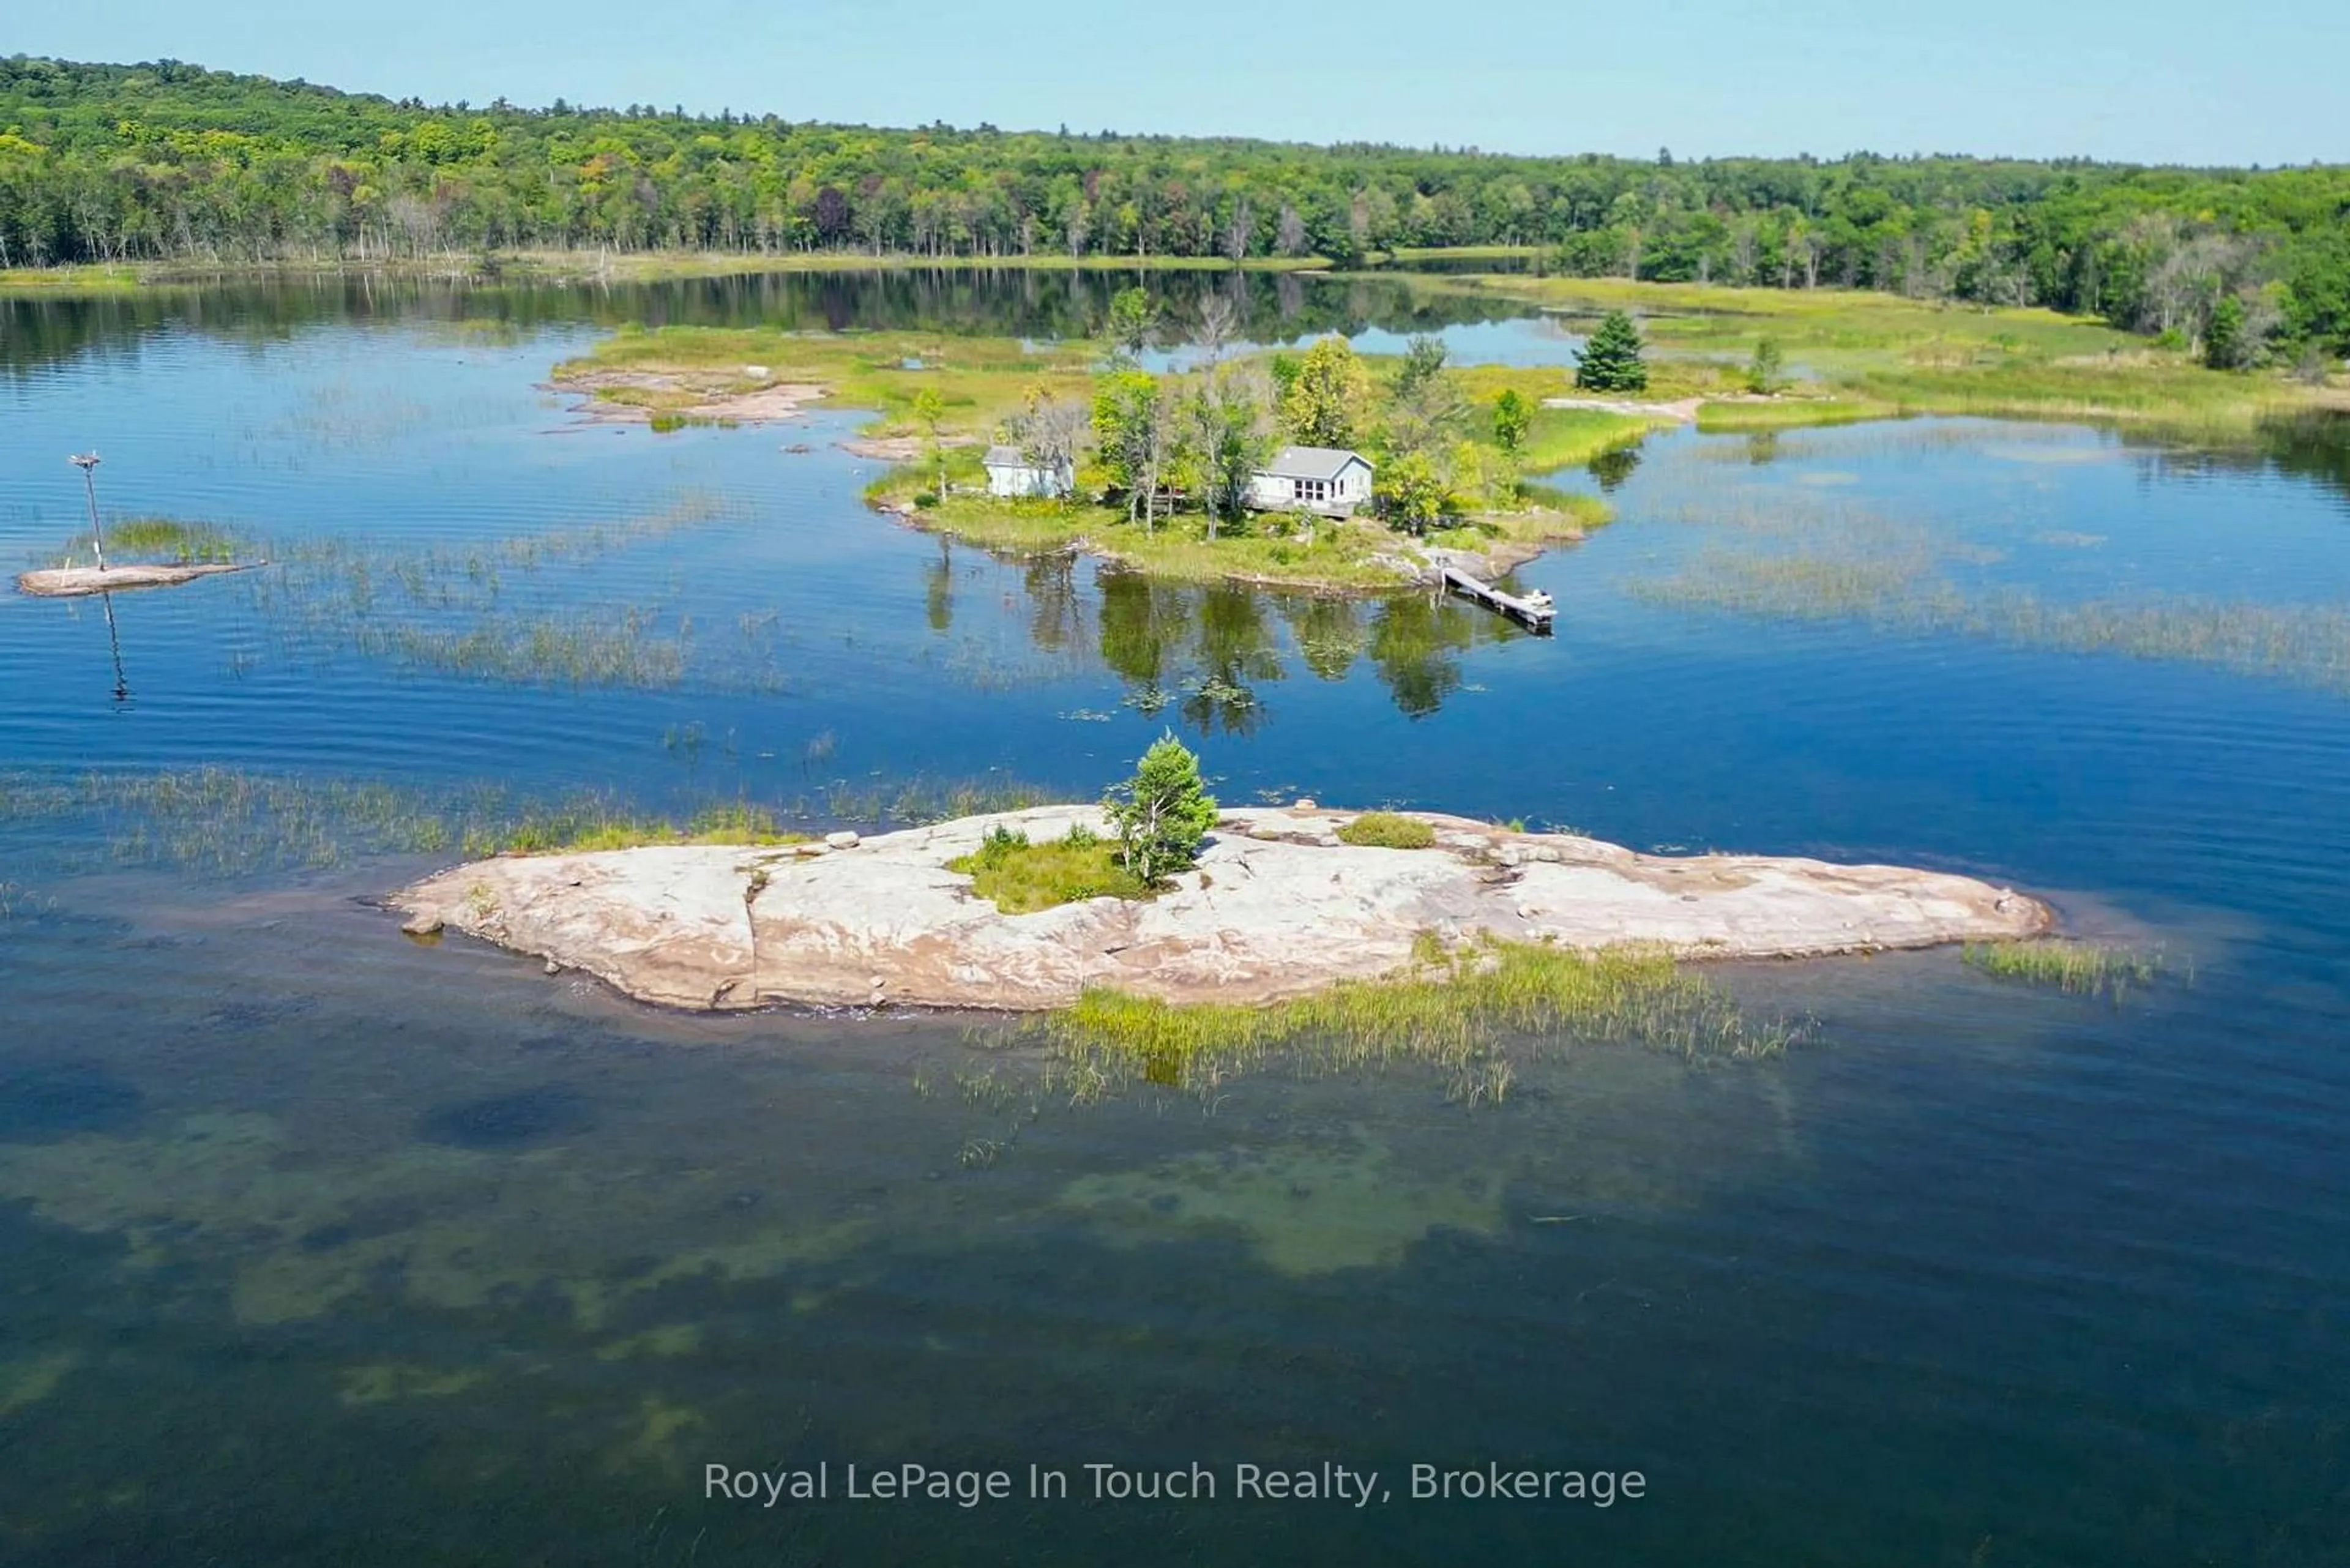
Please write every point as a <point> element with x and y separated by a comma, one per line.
<point>1321,479</point>
<point>1011,471</point>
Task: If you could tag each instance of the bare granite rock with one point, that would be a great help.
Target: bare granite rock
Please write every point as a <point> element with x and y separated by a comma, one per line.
<point>1277,908</point>
<point>73,582</point>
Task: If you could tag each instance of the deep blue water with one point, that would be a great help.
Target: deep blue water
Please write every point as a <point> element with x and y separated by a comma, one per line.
<point>322,1246</point>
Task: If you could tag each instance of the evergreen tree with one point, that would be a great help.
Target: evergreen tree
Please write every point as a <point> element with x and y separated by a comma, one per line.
<point>1162,813</point>
<point>2224,345</point>
<point>1766,372</point>
<point>1610,360</point>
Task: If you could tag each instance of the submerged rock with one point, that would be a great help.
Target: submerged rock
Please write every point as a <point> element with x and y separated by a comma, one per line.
<point>1281,908</point>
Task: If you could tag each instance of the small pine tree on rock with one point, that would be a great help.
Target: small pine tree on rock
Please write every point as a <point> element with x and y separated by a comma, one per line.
<point>1611,361</point>
<point>1162,813</point>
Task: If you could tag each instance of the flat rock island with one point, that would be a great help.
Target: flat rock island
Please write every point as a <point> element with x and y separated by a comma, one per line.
<point>1278,906</point>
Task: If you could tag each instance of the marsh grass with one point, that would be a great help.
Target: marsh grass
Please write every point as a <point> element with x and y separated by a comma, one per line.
<point>479,610</point>
<point>981,380</point>
<point>213,822</point>
<point>576,648</point>
<point>2307,645</point>
<point>1538,514</point>
<point>909,801</point>
<point>563,832</point>
<point>1791,413</point>
<point>1905,356</point>
<point>1387,830</point>
<point>166,541</point>
<point>19,902</point>
<point>224,822</point>
<point>1786,557</point>
<point>2075,968</point>
<point>1449,1009</point>
<point>1569,438</point>
<point>1020,877</point>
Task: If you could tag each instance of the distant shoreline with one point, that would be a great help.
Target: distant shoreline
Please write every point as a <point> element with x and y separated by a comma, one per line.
<point>576,266</point>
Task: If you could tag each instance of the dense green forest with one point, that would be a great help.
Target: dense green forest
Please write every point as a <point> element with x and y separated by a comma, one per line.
<point>169,160</point>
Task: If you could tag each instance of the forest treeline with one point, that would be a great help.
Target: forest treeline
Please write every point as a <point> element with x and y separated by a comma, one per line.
<point>167,160</point>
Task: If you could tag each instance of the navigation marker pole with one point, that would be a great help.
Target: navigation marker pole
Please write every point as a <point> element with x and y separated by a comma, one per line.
<point>88,462</point>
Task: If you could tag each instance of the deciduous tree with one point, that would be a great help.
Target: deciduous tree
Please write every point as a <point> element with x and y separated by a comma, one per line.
<point>1134,430</point>
<point>1325,401</point>
<point>1413,493</point>
<point>929,412</point>
<point>1218,321</point>
<point>1514,416</point>
<point>1428,407</point>
<point>1230,438</point>
<point>1047,430</point>
<point>1133,323</point>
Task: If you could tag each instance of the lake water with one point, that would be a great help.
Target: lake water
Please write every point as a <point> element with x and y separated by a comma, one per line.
<point>322,1246</point>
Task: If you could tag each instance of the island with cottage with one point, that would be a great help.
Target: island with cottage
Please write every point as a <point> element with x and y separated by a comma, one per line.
<point>1315,468</point>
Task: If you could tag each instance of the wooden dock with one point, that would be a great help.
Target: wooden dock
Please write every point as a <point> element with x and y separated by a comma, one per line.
<point>1535,611</point>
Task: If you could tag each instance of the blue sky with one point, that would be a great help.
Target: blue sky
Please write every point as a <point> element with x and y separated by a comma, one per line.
<point>2153,81</point>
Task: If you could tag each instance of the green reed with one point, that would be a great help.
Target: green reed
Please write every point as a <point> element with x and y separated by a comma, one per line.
<point>563,829</point>
<point>1449,1009</point>
<point>910,801</point>
<point>215,822</point>
<point>2305,644</point>
<point>18,901</point>
<point>457,609</point>
<point>1806,557</point>
<point>168,541</point>
<point>2077,968</point>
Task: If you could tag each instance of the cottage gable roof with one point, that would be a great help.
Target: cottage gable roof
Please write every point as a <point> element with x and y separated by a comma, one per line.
<point>1313,463</point>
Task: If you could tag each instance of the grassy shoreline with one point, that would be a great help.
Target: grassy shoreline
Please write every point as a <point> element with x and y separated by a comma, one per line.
<point>1866,355</point>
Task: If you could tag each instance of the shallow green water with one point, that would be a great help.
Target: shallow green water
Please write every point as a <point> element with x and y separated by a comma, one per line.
<point>321,1245</point>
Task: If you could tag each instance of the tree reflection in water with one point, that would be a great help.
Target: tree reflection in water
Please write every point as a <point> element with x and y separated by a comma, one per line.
<point>1210,652</point>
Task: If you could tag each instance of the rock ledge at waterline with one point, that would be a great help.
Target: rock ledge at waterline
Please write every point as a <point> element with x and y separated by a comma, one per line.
<point>1278,906</point>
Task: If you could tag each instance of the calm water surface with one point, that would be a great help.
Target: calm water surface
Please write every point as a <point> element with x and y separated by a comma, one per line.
<point>320,1246</point>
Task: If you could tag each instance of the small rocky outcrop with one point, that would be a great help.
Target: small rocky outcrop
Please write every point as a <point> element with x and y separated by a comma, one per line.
<point>75,582</point>
<point>1278,906</point>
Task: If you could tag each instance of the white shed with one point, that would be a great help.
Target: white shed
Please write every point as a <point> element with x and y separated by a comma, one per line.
<point>1324,479</point>
<point>1011,471</point>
